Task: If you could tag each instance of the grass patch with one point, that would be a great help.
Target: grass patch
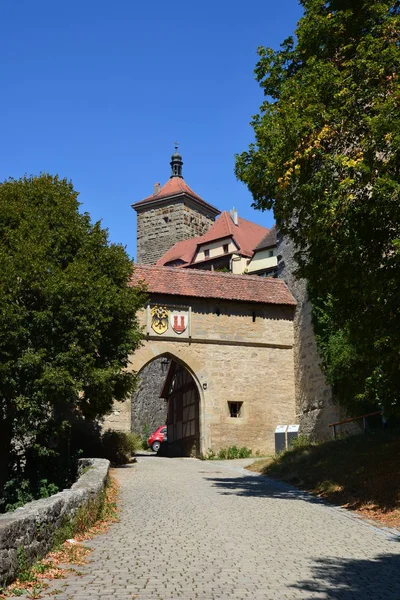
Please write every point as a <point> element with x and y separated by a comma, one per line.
<point>90,520</point>
<point>358,472</point>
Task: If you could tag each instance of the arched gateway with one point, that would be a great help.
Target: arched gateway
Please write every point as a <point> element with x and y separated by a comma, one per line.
<point>234,335</point>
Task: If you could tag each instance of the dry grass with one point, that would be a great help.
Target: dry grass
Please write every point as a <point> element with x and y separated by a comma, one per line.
<point>361,473</point>
<point>59,561</point>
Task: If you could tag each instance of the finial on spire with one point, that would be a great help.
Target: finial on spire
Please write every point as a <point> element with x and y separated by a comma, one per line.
<point>176,163</point>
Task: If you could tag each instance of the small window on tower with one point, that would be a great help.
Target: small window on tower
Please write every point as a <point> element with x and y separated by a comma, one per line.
<point>235,409</point>
<point>225,248</point>
<point>206,253</point>
<point>271,252</point>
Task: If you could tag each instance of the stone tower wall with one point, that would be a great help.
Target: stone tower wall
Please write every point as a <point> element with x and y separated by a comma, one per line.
<point>158,229</point>
<point>148,409</point>
<point>314,406</point>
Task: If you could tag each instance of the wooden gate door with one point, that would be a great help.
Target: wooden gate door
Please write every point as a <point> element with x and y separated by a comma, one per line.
<point>183,413</point>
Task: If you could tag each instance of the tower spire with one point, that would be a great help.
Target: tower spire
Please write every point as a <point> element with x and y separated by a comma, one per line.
<point>176,163</point>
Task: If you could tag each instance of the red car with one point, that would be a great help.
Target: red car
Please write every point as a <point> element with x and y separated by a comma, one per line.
<point>160,435</point>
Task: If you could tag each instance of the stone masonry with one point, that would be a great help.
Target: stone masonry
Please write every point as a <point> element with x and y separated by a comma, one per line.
<point>148,409</point>
<point>160,227</point>
<point>31,528</point>
<point>314,405</point>
<point>236,352</point>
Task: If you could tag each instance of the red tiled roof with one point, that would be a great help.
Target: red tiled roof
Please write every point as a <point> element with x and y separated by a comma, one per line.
<point>175,186</point>
<point>268,241</point>
<point>183,250</point>
<point>246,234</point>
<point>209,284</point>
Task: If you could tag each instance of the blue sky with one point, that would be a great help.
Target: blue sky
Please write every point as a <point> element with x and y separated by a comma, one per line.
<point>97,91</point>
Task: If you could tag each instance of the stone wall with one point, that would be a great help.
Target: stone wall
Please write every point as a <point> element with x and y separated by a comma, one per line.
<point>148,409</point>
<point>161,227</point>
<point>314,405</point>
<point>31,528</point>
<point>237,352</point>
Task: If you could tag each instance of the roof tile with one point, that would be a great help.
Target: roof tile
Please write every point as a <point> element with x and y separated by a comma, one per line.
<point>209,284</point>
<point>183,250</point>
<point>246,235</point>
<point>268,241</point>
<point>174,187</point>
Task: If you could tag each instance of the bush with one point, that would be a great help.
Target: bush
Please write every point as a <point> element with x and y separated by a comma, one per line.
<point>209,455</point>
<point>245,452</point>
<point>232,452</point>
<point>145,436</point>
<point>228,453</point>
<point>300,442</point>
<point>118,446</point>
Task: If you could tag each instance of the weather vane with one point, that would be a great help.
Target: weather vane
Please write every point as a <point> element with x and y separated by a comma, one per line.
<point>176,145</point>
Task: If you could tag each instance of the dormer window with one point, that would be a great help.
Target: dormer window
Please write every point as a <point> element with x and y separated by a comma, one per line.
<point>225,248</point>
<point>206,253</point>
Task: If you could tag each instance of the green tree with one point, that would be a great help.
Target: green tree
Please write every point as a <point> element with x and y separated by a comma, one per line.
<point>326,158</point>
<point>67,316</point>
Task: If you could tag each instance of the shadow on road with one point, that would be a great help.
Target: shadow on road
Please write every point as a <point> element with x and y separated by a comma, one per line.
<point>342,579</point>
<point>338,579</point>
<point>259,486</point>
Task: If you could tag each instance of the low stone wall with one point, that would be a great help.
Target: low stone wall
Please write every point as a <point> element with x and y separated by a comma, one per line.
<point>30,530</point>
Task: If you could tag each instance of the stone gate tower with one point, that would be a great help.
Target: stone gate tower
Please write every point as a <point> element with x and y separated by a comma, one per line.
<point>174,212</point>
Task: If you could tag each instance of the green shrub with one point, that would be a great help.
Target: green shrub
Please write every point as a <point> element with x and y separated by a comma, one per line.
<point>228,453</point>
<point>245,452</point>
<point>232,452</point>
<point>118,446</point>
<point>300,442</point>
<point>146,431</point>
<point>209,455</point>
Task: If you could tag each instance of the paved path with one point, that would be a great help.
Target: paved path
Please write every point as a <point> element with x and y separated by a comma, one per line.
<point>210,530</point>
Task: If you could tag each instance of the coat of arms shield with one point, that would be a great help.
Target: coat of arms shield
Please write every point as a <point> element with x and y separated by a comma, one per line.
<point>159,319</point>
<point>179,322</point>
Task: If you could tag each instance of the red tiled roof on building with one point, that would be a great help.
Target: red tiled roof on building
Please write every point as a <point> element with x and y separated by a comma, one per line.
<point>184,251</point>
<point>268,241</point>
<point>246,234</point>
<point>176,186</point>
<point>210,284</point>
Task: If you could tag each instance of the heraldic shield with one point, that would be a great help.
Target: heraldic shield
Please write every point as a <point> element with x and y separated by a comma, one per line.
<point>179,322</point>
<point>159,319</point>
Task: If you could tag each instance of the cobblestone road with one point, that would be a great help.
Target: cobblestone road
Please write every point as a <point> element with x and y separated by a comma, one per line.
<point>210,530</point>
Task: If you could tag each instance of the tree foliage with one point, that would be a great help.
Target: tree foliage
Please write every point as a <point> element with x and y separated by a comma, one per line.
<point>67,316</point>
<point>326,158</point>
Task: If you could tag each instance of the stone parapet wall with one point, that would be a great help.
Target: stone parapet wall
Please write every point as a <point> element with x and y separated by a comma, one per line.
<point>31,529</point>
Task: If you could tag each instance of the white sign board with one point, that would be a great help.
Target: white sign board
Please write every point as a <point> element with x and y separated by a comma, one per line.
<point>281,429</point>
<point>293,428</point>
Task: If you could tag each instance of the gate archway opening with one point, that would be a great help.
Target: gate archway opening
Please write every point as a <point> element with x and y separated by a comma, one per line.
<point>175,403</point>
